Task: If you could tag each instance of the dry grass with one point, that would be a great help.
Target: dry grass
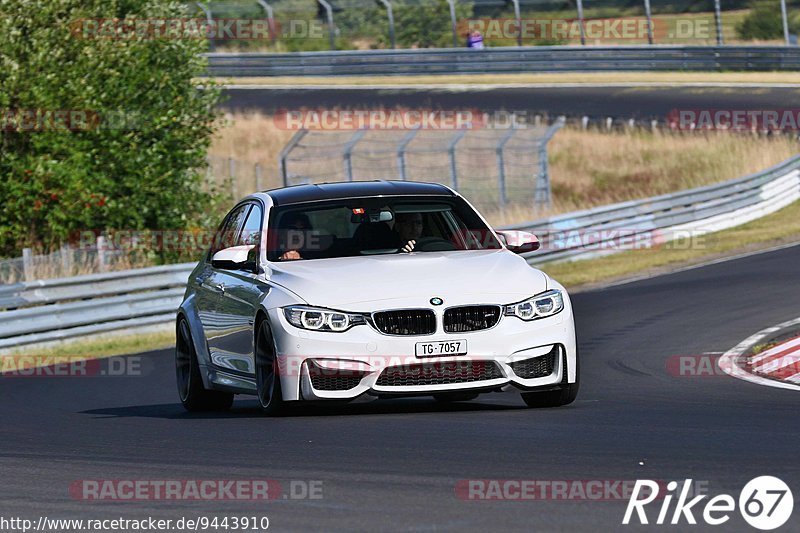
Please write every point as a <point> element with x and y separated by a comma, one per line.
<point>592,168</point>
<point>77,263</point>
<point>249,139</point>
<point>85,348</point>
<point>588,168</point>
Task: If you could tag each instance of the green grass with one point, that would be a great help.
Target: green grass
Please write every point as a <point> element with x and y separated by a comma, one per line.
<point>96,348</point>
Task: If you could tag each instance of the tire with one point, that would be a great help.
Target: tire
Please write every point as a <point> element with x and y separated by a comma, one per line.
<point>194,396</point>
<point>556,398</point>
<point>451,397</point>
<point>268,383</point>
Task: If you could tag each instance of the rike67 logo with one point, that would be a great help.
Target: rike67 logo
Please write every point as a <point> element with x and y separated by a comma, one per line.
<point>765,503</point>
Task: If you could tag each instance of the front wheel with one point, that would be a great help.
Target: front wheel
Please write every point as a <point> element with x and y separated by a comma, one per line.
<point>194,396</point>
<point>565,395</point>
<point>268,381</point>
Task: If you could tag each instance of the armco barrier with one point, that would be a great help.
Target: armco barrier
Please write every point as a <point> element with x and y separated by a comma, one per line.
<point>54,309</point>
<point>506,60</point>
<point>695,211</point>
<point>47,310</point>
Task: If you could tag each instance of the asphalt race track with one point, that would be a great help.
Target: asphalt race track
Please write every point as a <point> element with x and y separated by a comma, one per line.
<point>622,102</point>
<point>393,465</point>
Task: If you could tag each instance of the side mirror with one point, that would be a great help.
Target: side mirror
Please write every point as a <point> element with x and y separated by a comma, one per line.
<point>519,242</point>
<point>236,258</point>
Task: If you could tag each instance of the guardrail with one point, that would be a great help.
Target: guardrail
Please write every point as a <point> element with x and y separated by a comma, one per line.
<point>618,227</point>
<point>56,309</point>
<point>506,60</point>
<point>48,310</point>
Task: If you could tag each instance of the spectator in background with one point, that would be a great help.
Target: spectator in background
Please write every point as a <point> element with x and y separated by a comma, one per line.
<point>475,40</point>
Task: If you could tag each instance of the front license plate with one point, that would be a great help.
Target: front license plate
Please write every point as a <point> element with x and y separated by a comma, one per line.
<point>432,349</point>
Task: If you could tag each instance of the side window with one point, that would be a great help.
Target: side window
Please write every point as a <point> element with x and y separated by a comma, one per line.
<point>251,232</point>
<point>229,230</point>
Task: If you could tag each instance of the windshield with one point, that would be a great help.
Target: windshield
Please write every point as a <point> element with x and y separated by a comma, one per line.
<point>374,226</point>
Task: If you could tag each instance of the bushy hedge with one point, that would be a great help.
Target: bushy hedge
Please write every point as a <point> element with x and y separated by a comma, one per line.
<point>764,22</point>
<point>135,164</point>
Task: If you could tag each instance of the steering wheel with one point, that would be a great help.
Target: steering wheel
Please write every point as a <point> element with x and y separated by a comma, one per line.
<point>434,244</point>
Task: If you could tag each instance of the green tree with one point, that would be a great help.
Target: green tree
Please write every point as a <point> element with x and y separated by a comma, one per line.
<point>428,24</point>
<point>764,22</point>
<point>136,165</point>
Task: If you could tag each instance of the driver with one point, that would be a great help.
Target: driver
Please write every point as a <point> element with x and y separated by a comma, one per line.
<point>409,227</point>
<point>295,227</point>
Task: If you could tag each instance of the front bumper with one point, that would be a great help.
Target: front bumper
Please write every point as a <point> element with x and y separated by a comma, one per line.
<point>363,362</point>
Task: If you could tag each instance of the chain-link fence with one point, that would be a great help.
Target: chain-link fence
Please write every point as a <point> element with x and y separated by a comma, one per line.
<point>494,168</point>
<point>299,25</point>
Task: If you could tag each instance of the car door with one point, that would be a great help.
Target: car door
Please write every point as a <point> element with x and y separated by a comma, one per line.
<point>208,281</point>
<point>240,292</point>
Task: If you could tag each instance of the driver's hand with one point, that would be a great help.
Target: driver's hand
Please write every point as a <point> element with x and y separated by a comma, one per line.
<point>409,247</point>
<point>291,255</point>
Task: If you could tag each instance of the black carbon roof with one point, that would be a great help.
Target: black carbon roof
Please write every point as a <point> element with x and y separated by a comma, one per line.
<point>354,189</point>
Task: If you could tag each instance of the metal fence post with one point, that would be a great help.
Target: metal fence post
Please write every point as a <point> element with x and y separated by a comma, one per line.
<point>210,19</point>
<point>101,253</point>
<point>501,164</point>
<point>649,16</point>
<point>293,142</point>
<point>541,194</point>
<point>347,154</point>
<point>401,152</point>
<point>66,260</point>
<point>270,19</point>
<point>785,18</point>
<point>580,22</point>
<point>519,21</point>
<point>390,15</point>
<point>718,20</point>
<point>27,264</point>
<point>259,180</point>
<point>232,177</point>
<point>331,29</point>
<point>451,151</point>
<point>453,22</point>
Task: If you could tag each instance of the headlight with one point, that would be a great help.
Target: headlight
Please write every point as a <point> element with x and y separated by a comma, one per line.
<point>317,319</point>
<point>542,305</point>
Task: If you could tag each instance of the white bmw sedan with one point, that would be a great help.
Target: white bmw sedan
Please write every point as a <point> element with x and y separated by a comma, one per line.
<point>359,290</point>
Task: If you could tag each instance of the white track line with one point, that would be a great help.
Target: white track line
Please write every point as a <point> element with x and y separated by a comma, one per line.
<point>776,364</point>
<point>776,350</point>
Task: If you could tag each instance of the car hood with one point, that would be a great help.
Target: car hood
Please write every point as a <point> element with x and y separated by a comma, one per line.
<point>369,283</point>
